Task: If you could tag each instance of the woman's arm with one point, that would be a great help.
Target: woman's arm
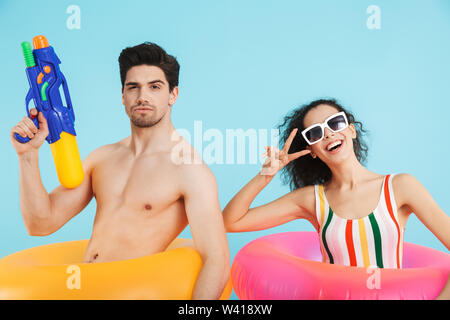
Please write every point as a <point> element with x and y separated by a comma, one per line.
<point>237,215</point>
<point>412,195</point>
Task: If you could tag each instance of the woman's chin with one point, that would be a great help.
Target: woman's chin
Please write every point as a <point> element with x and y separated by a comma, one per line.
<point>337,156</point>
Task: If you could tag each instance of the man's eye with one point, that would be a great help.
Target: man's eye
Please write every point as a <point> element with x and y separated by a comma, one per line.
<point>155,87</point>
<point>131,88</point>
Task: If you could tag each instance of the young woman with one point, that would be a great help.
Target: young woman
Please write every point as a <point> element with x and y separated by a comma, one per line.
<point>360,215</point>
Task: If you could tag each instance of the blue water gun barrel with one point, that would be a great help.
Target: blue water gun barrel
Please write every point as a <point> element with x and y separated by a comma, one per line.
<point>45,80</point>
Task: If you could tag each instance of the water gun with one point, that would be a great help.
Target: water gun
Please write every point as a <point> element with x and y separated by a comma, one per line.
<point>45,80</point>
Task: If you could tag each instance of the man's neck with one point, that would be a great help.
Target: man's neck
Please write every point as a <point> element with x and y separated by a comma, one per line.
<point>156,138</point>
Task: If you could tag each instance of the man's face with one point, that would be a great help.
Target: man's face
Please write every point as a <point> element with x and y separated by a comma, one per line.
<point>146,95</point>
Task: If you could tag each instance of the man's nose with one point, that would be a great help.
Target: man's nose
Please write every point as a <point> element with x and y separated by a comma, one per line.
<point>142,100</point>
<point>143,97</point>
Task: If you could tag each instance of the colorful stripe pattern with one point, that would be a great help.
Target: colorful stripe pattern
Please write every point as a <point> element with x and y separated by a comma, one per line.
<point>374,240</point>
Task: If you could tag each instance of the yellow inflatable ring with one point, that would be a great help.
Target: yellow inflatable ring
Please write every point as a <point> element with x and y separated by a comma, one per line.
<point>55,271</point>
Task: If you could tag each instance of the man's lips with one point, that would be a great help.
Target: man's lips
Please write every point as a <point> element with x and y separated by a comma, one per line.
<point>142,109</point>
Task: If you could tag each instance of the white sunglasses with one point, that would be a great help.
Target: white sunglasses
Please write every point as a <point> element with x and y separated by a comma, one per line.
<point>315,133</point>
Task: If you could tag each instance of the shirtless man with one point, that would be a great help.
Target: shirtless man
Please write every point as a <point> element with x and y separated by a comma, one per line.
<point>144,198</point>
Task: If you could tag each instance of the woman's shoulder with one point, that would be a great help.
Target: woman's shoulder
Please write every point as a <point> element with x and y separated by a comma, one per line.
<point>406,187</point>
<point>304,191</point>
<point>401,180</point>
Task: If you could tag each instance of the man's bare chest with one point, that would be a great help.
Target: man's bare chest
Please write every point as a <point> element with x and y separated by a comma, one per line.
<point>147,184</point>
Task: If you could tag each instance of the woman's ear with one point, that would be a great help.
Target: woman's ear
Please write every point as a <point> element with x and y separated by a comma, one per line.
<point>312,153</point>
<point>353,130</point>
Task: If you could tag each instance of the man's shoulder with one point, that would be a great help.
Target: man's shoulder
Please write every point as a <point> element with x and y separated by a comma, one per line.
<point>185,157</point>
<point>100,154</point>
<point>190,166</point>
<point>104,150</point>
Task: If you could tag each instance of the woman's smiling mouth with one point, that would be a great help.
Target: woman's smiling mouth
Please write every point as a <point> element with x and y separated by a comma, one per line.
<point>335,146</point>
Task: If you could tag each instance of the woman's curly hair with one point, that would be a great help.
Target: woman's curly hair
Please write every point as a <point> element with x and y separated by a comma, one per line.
<point>307,170</point>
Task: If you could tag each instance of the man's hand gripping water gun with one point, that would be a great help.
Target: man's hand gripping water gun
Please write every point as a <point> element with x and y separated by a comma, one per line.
<point>54,121</point>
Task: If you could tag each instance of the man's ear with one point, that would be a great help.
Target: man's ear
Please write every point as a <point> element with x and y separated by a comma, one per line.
<point>173,96</point>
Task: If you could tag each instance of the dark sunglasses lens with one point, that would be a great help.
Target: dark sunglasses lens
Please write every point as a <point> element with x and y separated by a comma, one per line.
<point>314,134</point>
<point>337,123</point>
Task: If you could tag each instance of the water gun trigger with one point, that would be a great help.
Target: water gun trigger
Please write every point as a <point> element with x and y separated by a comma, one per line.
<point>34,118</point>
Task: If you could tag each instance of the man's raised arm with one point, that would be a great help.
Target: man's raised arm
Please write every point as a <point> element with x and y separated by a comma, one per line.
<point>45,213</point>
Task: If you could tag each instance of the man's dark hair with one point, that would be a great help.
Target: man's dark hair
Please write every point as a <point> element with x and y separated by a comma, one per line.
<point>149,54</point>
<point>307,170</point>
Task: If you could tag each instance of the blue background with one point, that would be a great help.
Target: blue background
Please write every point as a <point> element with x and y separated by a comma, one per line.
<point>244,64</point>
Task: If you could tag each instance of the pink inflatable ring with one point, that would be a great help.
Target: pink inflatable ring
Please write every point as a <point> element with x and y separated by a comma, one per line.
<point>287,266</point>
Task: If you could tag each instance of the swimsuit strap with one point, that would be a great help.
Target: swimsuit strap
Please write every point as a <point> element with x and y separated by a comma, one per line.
<point>321,202</point>
<point>391,210</point>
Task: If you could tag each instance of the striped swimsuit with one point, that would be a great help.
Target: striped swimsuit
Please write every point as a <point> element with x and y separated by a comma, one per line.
<point>374,240</point>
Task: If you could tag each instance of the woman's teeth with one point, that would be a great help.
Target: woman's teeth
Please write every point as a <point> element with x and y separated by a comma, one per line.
<point>334,145</point>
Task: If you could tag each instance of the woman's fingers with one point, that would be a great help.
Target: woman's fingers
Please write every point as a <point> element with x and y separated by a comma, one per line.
<point>272,160</point>
<point>283,156</point>
<point>289,140</point>
<point>270,151</point>
<point>265,154</point>
<point>298,154</point>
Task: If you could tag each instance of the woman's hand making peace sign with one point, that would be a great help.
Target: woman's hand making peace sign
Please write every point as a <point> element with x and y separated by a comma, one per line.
<point>277,159</point>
